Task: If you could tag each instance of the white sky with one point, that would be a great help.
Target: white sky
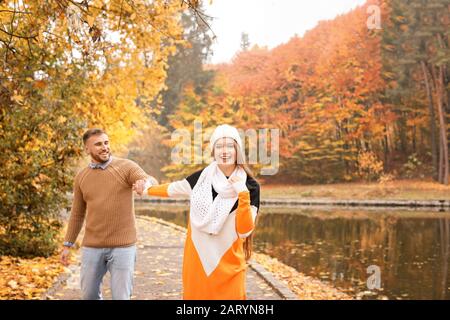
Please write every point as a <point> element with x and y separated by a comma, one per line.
<point>267,22</point>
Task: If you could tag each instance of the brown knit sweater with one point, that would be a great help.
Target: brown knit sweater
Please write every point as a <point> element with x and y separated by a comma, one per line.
<point>104,198</point>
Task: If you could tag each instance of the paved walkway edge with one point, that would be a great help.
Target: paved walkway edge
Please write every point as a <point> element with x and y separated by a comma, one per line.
<point>274,283</point>
<point>60,281</point>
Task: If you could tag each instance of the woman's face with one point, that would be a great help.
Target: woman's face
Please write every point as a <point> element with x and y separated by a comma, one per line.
<point>224,151</point>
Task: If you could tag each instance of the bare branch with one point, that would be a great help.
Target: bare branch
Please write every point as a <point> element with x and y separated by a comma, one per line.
<point>15,11</point>
<point>199,15</point>
<point>120,16</point>
<point>18,35</point>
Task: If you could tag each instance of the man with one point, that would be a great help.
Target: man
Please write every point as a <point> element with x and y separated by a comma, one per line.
<point>103,197</point>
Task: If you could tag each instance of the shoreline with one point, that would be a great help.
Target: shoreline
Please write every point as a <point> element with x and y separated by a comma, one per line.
<point>344,203</point>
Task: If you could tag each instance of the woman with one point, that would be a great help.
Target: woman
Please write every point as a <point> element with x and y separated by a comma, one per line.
<point>224,202</point>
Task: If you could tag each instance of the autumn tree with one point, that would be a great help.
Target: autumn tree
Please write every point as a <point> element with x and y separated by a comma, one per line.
<point>65,66</point>
<point>350,102</point>
<point>324,92</point>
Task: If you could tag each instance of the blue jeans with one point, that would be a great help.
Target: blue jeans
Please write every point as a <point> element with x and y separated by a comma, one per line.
<point>120,264</point>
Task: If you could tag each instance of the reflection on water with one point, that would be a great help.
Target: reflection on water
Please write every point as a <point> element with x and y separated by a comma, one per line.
<point>410,248</point>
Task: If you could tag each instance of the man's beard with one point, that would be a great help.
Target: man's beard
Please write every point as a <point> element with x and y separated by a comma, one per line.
<point>98,159</point>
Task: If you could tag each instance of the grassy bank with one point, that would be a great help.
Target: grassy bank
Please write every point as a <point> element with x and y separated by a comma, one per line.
<point>393,190</point>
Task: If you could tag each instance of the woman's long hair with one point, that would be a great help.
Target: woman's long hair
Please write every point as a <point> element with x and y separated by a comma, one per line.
<point>240,161</point>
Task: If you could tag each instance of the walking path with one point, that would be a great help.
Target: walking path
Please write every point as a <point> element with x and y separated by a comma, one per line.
<point>158,269</point>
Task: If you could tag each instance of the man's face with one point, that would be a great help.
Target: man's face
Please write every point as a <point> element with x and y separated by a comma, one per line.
<point>224,151</point>
<point>98,148</point>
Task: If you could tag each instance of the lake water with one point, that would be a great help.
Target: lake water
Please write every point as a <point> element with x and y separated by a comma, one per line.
<point>407,251</point>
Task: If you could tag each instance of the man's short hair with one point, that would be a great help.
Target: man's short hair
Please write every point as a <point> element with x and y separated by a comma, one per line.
<point>92,132</point>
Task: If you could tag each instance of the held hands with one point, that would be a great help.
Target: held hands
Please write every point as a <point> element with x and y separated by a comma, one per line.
<point>238,184</point>
<point>139,186</point>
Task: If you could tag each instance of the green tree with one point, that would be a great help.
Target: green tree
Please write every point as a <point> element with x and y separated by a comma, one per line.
<point>417,57</point>
<point>245,41</point>
<point>186,66</point>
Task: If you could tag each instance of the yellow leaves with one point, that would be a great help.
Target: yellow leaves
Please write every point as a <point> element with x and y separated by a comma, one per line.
<point>305,287</point>
<point>369,166</point>
<point>5,17</point>
<point>17,98</point>
<point>404,27</point>
<point>27,278</point>
<point>91,16</point>
<point>62,119</point>
<point>401,19</point>
<point>90,20</point>
<point>163,273</point>
<point>12,284</point>
<point>111,91</point>
<point>36,185</point>
<point>40,84</point>
<point>40,180</point>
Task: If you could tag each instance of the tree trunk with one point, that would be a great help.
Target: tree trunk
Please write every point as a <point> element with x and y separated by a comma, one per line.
<point>402,132</point>
<point>444,170</point>
<point>441,160</point>
<point>432,118</point>
<point>447,102</point>
<point>385,149</point>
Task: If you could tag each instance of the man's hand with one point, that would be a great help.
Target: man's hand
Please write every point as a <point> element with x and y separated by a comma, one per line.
<point>65,256</point>
<point>139,186</point>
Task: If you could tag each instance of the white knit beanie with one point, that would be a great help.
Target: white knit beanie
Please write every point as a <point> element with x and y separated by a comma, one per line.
<point>225,131</point>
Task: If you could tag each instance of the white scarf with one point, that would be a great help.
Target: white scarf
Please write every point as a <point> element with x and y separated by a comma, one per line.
<point>209,215</point>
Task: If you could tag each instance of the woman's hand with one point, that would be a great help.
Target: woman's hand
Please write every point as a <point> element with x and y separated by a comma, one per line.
<point>238,184</point>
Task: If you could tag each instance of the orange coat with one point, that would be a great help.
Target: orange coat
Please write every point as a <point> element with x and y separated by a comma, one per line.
<point>214,265</point>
